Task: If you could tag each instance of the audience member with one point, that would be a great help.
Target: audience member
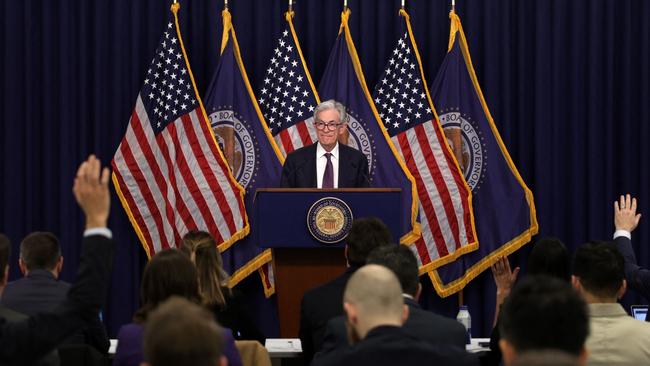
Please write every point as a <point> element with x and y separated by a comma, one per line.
<point>51,359</point>
<point>548,257</point>
<point>615,337</point>
<point>41,290</point>
<point>375,312</point>
<point>543,313</point>
<point>626,220</point>
<point>169,273</point>
<point>23,342</point>
<point>179,332</point>
<point>227,304</point>
<point>425,325</point>
<point>323,303</point>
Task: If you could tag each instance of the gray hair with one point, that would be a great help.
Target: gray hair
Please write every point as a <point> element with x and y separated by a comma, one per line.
<point>331,104</point>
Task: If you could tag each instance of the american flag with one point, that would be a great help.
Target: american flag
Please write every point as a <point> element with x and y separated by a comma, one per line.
<point>405,107</point>
<point>168,170</point>
<point>288,96</point>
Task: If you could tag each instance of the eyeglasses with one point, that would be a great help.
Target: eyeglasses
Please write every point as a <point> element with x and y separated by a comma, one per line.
<point>331,126</point>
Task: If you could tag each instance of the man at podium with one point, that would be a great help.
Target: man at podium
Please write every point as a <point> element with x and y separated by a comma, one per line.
<point>326,163</point>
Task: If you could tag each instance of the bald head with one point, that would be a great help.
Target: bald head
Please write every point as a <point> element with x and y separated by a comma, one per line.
<point>373,297</point>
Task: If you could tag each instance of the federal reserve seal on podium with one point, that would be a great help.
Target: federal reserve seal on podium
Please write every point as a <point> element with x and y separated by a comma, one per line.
<point>329,220</point>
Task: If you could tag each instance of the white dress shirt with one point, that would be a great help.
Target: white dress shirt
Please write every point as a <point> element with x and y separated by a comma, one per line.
<point>321,161</point>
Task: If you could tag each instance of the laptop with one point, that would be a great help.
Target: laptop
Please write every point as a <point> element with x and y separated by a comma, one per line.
<point>639,312</point>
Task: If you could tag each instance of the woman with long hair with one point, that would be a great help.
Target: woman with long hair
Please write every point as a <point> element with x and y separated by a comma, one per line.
<point>169,273</point>
<point>227,304</point>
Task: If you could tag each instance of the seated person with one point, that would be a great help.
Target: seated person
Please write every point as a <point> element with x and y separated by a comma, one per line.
<point>51,359</point>
<point>23,342</point>
<point>40,289</point>
<point>375,312</point>
<point>543,313</point>
<point>227,304</point>
<point>180,332</point>
<point>168,273</point>
<point>549,257</point>
<point>626,220</point>
<point>323,303</point>
<point>326,163</point>
<point>616,338</point>
<point>425,325</point>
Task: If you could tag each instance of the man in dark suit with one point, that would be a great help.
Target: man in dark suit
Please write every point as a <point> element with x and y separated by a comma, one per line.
<point>323,303</point>
<point>375,312</point>
<point>23,342</point>
<point>51,359</point>
<point>326,163</point>
<point>626,220</point>
<point>40,289</point>
<point>425,325</point>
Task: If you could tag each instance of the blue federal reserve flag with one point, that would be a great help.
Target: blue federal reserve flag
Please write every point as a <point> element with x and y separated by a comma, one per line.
<point>343,81</point>
<point>504,211</point>
<point>247,145</point>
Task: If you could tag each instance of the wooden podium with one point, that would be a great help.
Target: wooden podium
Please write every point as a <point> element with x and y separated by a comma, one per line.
<point>301,262</point>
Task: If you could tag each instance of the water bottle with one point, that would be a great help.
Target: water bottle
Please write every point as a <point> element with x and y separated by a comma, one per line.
<point>466,320</point>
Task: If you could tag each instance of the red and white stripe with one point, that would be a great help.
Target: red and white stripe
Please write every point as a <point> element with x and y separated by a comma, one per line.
<point>298,135</point>
<point>176,181</point>
<point>444,207</point>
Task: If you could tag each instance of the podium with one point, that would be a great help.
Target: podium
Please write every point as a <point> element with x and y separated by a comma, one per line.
<point>304,259</point>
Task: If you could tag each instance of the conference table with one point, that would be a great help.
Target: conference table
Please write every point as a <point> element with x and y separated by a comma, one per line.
<point>287,351</point>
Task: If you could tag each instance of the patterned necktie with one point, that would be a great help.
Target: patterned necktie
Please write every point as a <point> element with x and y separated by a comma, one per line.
<point>328,175</point>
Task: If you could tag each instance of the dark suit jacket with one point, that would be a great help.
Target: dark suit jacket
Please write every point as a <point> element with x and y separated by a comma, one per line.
<point>40,291</point>
<point>23,342</point>
<point>236,317</point>
<point>299,170</point>
<point>637,277</point>
<point>390,345</point>
<point>425,325</point>
<point>318,306</point>
<point>51,359</point>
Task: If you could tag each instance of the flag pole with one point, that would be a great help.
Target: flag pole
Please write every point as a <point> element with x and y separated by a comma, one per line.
<point>404,4</point>
<point>225,4</point>
<point>345,4</point>
<point>290,5</point>
<point>453,6</point>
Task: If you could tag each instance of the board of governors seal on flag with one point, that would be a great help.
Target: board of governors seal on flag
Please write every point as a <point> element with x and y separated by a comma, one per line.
<point>359,138</point>
<point>329,220</point>
<point>238,144</point>
<point>467,145</point>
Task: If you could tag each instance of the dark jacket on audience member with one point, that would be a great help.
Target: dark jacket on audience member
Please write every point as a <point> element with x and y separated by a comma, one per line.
<point>318,306</point>
<point>40,291</point>
<point>638,278</point>
<point>22,342</point>
<point>237,318</point>
<point>425,325</point>
<point>390,346</point>
<point>51,359</point>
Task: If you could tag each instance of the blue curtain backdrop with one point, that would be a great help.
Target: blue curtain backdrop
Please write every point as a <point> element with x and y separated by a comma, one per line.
<point>567,82</point>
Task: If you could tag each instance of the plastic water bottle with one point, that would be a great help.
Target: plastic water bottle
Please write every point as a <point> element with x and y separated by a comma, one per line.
<point>466,320</point>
